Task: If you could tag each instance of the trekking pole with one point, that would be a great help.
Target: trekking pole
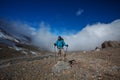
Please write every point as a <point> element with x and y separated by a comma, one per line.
<point>66,50</point>
<point>55,53</point>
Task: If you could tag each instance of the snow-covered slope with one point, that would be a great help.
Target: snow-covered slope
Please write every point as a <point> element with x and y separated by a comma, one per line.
<point>8,38</point>
<point>4,35</point>
<point>12,32</point>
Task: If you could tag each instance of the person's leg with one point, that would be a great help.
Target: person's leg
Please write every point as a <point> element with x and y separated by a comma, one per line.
<point>59,54</point>
<point>63,54</point>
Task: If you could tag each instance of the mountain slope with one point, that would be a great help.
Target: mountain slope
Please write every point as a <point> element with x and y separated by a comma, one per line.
<point>10,31</point>
<point>12,47</point>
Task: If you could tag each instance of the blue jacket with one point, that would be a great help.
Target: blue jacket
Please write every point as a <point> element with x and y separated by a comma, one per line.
<point>60,44</point>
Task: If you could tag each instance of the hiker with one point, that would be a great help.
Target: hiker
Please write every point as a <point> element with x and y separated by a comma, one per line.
<point>60,46</point>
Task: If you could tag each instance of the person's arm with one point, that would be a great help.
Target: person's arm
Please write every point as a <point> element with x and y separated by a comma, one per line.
<point>65,44</point>
<point>55,44</point>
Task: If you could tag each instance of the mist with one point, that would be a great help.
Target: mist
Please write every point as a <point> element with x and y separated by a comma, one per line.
<point>90,37</point>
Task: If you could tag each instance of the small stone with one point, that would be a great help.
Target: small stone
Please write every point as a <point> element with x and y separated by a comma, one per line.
<point>97,50</point>
<point>84,51</point>
<point>23,68</point>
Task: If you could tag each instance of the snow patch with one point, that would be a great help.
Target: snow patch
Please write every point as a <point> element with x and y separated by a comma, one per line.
<point>1,35</point>
<point>24,52</point>
<point>17,48</point>
<point>5,36</point>
<point>34,53</point>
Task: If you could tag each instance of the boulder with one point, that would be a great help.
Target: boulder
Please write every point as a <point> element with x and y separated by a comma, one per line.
<point>107,44</point>
<point>60,66</point>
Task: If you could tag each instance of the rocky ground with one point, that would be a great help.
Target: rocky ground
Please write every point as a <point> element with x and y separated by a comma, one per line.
<point>103,64</point>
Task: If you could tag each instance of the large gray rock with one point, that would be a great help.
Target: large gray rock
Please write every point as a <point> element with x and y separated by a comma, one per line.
<point>110,44</point>
<point>60,66</point>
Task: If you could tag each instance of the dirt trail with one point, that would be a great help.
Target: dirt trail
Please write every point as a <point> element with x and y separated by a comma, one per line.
<point>4,63</point>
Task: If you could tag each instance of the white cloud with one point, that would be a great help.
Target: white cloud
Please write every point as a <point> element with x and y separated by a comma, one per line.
<point>93,35</point>
<point>86,39</point>
<point>79,12</point>
<point>44,38</point>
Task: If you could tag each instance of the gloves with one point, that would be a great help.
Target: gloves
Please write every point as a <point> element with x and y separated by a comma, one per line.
<point>54,44</point>
<point>66,45</point>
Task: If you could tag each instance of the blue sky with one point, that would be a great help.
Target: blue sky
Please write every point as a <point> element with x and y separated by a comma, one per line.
<point>61,15</point>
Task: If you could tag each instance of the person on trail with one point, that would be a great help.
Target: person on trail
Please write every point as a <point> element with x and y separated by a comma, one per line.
<point>60,47</point>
